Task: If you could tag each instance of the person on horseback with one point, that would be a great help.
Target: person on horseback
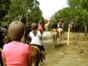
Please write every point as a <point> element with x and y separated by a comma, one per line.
<point>60,25</point>
<point>60,28</point>
<point>46,26</point>
<point>16,53</point>
<point>36,38</point>
<point>71,24</point>
<point>54,26</point>
<point>54,33</point>
<point>40,28</point>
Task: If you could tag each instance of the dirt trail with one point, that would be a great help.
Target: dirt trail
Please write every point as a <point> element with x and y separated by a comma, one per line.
<point>75,54</point>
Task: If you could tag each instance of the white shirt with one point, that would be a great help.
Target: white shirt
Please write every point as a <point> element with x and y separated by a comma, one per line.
<point>35,39</point>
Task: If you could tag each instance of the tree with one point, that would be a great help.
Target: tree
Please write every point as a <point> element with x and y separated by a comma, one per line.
<point>77,10</point>
<point>4,6</point>
<point>29,9</point>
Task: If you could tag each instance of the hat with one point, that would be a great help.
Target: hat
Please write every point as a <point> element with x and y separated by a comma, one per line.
<point>16,30</point>
<point>34,26</point>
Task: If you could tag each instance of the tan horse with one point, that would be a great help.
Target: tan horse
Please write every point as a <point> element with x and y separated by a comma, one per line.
<point>46,26</point>
<point>54,35</point>
<point>36,55</point>
<point>60,32</point>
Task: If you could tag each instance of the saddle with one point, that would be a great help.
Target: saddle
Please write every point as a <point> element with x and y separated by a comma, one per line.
<point>37,47</point>
<point>54,30</point>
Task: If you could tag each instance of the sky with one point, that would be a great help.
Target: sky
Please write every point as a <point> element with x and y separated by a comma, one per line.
<point>49,7</point>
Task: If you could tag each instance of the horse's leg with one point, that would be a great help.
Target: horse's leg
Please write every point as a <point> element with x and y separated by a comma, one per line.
<point>37,59</point>
<point>56,38</point>
<point>46,27</point>
<point>53,38</point>
<point>54,41</point>
<point>59,35</point>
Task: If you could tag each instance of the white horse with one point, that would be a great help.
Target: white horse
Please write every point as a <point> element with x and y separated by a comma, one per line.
<point>46,26</point>
<point>54,35</point>
<point>60,31</point>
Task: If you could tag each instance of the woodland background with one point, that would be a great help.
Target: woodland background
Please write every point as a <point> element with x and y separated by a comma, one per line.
<point>29,11</point>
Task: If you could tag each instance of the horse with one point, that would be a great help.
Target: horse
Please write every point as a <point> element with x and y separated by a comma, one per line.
<point>37,57</point>
<point>60,31</point>
<point>26,33</point>
<point>46,26</point>
<point>54,35</point>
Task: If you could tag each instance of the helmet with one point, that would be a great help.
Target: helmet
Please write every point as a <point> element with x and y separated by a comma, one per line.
<point>34,26</point>
<point>16,30</point>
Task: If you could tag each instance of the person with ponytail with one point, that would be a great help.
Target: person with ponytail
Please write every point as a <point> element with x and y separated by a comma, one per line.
<point>36,38</point>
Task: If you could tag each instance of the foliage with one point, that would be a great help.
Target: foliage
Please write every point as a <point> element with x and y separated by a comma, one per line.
<point>76,10</point>
<point>4,6</point>
<point>24,10</point>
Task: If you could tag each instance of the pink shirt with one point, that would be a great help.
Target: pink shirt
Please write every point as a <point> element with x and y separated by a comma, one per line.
<point>40,27</point>
<point>16,53</point>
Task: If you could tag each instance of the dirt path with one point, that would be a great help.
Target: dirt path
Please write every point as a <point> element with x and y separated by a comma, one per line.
<point>75,54</point>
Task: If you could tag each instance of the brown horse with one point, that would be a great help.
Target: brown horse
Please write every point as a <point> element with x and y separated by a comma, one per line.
<point>36,55</point>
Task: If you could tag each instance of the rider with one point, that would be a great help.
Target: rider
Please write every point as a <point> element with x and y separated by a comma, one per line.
<point>60,25</point>
<point>36,38</point>
<point>16,53</point>
<point>40,28</point>
<point>71,25</point>
<point>54,27</point>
